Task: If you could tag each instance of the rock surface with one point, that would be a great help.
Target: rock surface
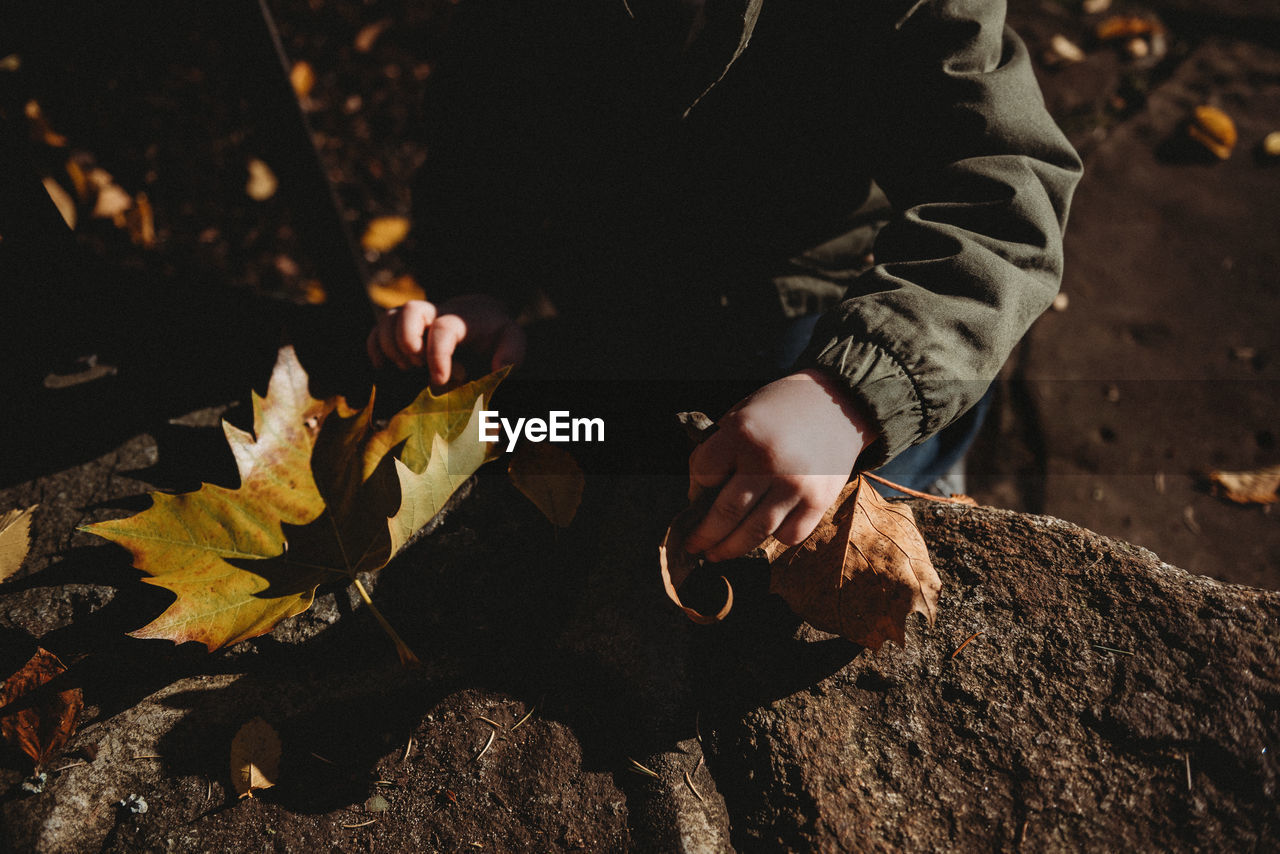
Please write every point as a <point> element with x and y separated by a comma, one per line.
<point>1111,702</point>
<point>1034,734</point>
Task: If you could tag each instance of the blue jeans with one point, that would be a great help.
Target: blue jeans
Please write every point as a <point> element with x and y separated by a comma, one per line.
<point>921,466</point>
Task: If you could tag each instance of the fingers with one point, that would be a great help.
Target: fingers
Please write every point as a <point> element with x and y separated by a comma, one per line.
<point>799,524</point>
<point>413,319</point>
<point>732,505</point>
<point>397,337</point>
<point>510,348</point>
<point>712,462</point>
<point>761,522</point>
<point>446,333</point>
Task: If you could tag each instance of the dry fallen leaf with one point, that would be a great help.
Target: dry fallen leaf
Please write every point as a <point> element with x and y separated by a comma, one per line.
<point>1259,486</point>
<point>549,477</point>
<point>384,233</point>
<point>43,726</point>
<point>262,181</point>
<point>861,572</point>
<point>112,200</point>
<point>141,223</point>
<point>396,292</point>
<point>1214,130</point>
<point>63,201</point>
<point>1126,27</point>
<point>15,540</point>
<point>676,564</point>
<point>39,126</point>
<point>255,758</point>
<point>314,293</point>
<point>79,180</point>
<point>1063,51</point>
<point>322,497</point>
<point>1271,144</point>
<point>369,35</point>
<point>303,77</point>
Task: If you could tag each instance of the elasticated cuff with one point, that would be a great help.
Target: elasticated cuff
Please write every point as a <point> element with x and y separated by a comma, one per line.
<point>880,385</point>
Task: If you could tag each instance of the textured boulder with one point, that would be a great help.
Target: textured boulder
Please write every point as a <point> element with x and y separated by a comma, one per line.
<point>1111,702</point>
<point>1101,679</point>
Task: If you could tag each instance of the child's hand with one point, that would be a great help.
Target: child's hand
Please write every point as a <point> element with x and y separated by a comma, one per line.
<point>418,333</point>
<point>780,458</point>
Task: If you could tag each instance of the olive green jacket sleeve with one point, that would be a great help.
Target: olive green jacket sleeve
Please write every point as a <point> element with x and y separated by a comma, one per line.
<point>980,178</point>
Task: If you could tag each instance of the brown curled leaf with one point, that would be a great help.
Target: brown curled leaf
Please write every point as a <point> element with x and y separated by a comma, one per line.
<point>255,758</point>
<point>39,723</point>
<point>551,478</point>
<point>861,572</point>
<point>677,564</point>
<point>1260,486</point>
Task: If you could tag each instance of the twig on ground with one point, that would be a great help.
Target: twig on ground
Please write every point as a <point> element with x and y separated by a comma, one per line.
<point>360,824</point>
<point>1112,649</point>
<point>966,643</point>
<point>644,769</point>
<point>493,733</point>
<point>322,759</point>
<point>491,723</point>
<point>66,767</point>
<point>526,717</point>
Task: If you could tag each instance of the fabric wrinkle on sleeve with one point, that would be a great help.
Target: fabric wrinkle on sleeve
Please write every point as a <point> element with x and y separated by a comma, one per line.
<point>981,178</point>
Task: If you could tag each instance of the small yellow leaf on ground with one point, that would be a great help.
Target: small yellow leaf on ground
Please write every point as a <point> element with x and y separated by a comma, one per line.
<point>384,233</point>
<point>62,199</point>
<point>46,722</point>
<point>79,180</point>
<point>1213,129</point>
<point>39,126</point>
<point>255,758</point>
<point>303,78</point>
<point>112,201</point>
<point>262,181</point>
<point>370,33</point>
<point>1259,486</point>
<point>141,222</point>
<point>15,540</point>
<point>314,293</point>
<point>1063,51</point>
<point>549,477</point>
<point>1271,144</point>
<point>396,292</point>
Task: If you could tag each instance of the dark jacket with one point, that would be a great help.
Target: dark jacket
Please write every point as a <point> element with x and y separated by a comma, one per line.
<point>564,154</point>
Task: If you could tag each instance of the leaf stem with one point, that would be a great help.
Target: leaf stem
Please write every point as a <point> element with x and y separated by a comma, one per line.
<point>968,502</point>
<point>407,658</point>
